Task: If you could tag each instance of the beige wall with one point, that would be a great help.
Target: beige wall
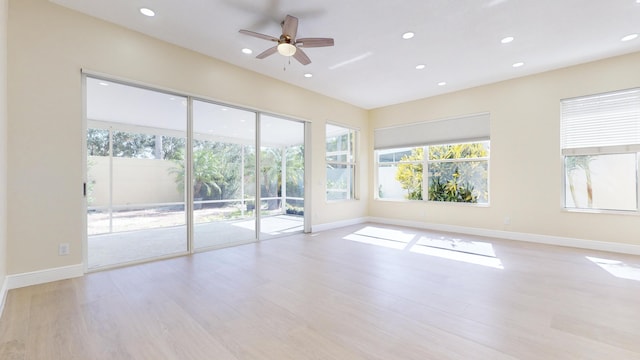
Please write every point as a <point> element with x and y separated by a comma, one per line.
<point>135,181</point>
<point>3,142</point>
<point>48,45</point>
<point>525,168</point>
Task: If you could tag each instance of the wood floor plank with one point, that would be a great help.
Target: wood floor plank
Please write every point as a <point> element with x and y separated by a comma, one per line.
<point>328,296</point>
<point>14,326</point>
<point>61,330</point>
<point>599,331</point>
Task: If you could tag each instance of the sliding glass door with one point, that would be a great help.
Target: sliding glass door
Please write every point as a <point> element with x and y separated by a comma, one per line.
<point>224,190</point>
<point>225,181</point>
<point>169,174</point>
<point>281,176</point>
<point>135,162</point>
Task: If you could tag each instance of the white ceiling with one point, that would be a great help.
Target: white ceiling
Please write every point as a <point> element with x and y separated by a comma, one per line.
<point>370,66</point>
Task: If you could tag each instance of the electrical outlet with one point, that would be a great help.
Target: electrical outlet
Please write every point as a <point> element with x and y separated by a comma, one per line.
<point>63,249</point>
<point>507,220</point>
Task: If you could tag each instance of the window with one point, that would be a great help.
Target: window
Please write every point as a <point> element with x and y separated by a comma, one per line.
<point>442,160</point>
<point>454,172</point>
<point>341,162</point>
<point>600,141</point>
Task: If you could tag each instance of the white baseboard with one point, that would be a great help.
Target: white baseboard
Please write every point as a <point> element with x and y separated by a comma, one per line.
<point>511,235</point>
<point>3,294</point>
<point>338,224</point>
<point>44,276</point>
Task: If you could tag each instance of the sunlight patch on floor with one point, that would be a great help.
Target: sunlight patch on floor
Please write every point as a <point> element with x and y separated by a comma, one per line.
<point>387,234</point>
<point>376,241</point>
<point>617,268</point>
<point>460,245</point>
<point>446,247</point>
<point>475,259</point>
<point>389,238</point>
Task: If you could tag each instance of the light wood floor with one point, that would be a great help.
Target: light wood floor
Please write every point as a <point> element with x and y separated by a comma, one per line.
<point>323,296</point>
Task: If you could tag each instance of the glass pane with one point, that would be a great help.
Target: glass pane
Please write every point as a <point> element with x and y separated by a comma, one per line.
<point>134,145</point>
<point>136,207</point>
<point>281,176</point>
<point>334,157</point>
<point>465,181</point>
<point>97,142</point>
<point>271,179</point>
<point>223,175</point>
<point>393,155</point>
<point>400,181</point>
<point>173,148</point>
<point>340,144</point>
<point>459,151</point>
<point>606,182</point>
<point>295,180</point>
<point>340,182</point>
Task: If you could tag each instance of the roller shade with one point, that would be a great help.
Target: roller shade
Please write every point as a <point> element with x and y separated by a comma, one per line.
<point>447,131</point>
<point>602,123</point>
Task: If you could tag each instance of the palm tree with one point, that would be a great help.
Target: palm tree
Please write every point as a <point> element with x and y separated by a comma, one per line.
<point>206,173</point>
<point>572,163</point>
<point>295,170</point>
<point>271,172</point>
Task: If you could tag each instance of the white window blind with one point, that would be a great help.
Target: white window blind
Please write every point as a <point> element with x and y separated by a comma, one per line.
<point>603,123</point>
<point>447,131</point>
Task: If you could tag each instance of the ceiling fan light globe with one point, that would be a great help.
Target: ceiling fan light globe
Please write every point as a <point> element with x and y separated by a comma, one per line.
<point>286,49</point>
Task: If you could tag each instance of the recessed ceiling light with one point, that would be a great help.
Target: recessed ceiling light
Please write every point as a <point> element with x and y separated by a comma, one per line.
<point>247,51</point>
<point>442,83</point>
<point>518,64</point>
<point>507,40</point>
<point>629,37</point>
<point>308,75</point>
<point>147,12</point>
<point>420,67</point>
<point>408,35</point>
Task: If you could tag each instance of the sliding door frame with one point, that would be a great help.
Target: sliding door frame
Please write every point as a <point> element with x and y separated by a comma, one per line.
<point>188,201</point>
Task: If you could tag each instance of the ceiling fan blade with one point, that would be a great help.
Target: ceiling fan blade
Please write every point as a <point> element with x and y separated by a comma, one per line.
<point>314,42</point>
<point>290,26</point>
<point>269,51</point>
<point>258,35</point>
<point>302,57</point>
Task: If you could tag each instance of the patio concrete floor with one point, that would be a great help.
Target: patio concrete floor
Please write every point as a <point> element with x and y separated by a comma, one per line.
<point>129,246</point>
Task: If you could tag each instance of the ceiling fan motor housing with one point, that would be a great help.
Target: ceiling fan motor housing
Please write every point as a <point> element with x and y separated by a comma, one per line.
<point>288,45</point>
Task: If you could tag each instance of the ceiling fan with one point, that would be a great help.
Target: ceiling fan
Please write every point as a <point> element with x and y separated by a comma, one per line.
<point>288,44</point>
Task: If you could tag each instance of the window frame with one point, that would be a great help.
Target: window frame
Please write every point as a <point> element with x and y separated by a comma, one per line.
<point>596,150</point>
<point>426,162</point>
<point>351,163</point>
